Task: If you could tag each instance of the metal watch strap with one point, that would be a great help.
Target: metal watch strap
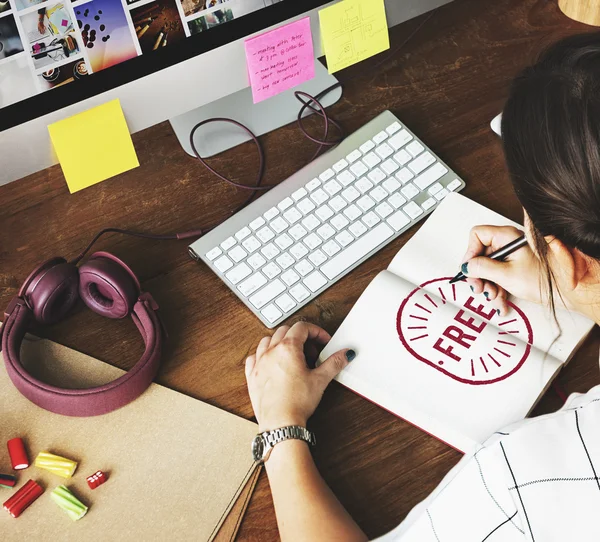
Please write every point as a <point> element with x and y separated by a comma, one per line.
<point>290,432</point>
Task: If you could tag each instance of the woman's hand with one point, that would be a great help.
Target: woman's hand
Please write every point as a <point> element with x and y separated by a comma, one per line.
<point>518,275</point>
<point>283,390</point>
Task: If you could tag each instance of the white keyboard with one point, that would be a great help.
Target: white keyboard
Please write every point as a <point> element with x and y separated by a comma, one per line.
<point>306,233</point>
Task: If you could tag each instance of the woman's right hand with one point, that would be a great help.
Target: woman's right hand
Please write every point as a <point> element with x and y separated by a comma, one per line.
<point>518,275</point>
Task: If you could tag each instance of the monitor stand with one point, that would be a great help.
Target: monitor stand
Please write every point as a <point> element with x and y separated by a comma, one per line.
<point>261,118</point>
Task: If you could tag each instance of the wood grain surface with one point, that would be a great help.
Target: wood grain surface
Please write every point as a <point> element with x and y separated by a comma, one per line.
<point>446,84</point>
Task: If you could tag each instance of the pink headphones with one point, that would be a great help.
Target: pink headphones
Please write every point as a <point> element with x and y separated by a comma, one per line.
<point>108,287</point>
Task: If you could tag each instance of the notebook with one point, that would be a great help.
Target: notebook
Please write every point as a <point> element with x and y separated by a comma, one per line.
<point>439,356</point>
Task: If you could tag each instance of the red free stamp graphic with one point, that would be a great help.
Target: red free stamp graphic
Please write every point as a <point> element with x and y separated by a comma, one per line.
<point>460,334</point>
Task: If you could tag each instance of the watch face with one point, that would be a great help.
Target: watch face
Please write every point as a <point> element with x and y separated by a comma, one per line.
<point>258,448</point>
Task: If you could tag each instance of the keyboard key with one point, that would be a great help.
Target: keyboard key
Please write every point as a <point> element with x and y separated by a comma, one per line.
<point>363,184</point>
<point>325,231</point>
<point>376,176</point>
<point>298,251</point>
<point>410,191</point>
<point>256,261</point>
<point>396,200</point>
<point>290,277</point>
<point>311,222</point>
<point>267,294</point>
<point>297,232</point>
<point>292,215</point>
<point>278,224</point>
<point>212,254</point>
<point>228,243</point>
<point>332,187</point>
<point>326,175</point>
<point>384,151</point>
<point>284,241</point>
<point>299,194</point>
<point>371,160</point>
<point>357,229</point>
<point>390,166</point>
<point>271,213</point>
<point>415,148</point>
<point>365,203</point>
<point>238,273</point>
<point>441,194</point>
<point>422,162</point>
<point>306,206</point>
<point>271,270</point>
<point>285,204</point>
<point>344,238</point>
<point>265,234</point>
<point>324,212</point>
<point>269,251</point>
<point>358,169</point>
<point>339,166</point>
<point>339,222</point>
<point>271,313</point>
<point>402,157</point>
<point>303,267</point>
<point>371,219</point>
<point>312,241</point>
<point>353,156</point>
<point>393,128</point>
<point>352,212</point>
<point>317,257</point>
<point>384,210</point>
<point>380,137</point>
<point>315,281</point>
<point>391,185</point>
<point>285,260</point>
<point>453,185</point>
<point>428,204</point>
<point>433,174</point>
<point>285,303</point>
<point>223,264</point>
<point>300,293</point>
<point>363,246</point>
<point>257,223</point>
<point>398,220</point>
<point>313,185</point>
<point>319,196</point>
<point>250,285</point>
<point>345,178</point>
<point>378,194</point>
<point>351,194</point>
<point>331,247</point>
<point>434,189</point>
<point>237,254</point>
<point>252,244</point>
<point>367,146</point>
<point>243,233</point>
<point>404,175</point>
<point>400,139</point>
<point>337,203</point>
<point>412,210</point>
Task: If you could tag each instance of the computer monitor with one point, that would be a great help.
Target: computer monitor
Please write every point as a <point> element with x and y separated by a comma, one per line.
<point>161,58</point>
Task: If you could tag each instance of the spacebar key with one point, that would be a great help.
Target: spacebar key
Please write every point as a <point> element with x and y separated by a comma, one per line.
<point>356,251</point>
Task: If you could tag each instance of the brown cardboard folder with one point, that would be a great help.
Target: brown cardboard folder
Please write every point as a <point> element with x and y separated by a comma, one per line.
<point>178,469</point>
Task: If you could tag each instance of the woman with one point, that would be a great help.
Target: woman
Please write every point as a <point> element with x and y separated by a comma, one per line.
<point>538,479</point>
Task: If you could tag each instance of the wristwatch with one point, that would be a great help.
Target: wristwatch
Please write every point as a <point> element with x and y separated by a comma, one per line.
<point>264,442</point>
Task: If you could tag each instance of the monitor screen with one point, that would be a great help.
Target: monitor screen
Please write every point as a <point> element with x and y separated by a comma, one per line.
<point>82,48</point>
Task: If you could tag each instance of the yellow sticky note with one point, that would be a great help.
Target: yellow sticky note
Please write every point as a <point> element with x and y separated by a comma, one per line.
<point>353,30</point>
<point>93,146</point>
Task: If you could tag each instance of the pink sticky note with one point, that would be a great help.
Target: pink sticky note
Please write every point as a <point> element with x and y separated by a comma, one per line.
<point>65,22</point>
<point>280,59</point>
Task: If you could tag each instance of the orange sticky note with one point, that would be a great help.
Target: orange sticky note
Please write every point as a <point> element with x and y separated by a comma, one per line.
<point>93,146</point>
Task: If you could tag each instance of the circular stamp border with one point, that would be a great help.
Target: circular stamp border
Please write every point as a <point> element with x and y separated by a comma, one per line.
<point>436,367</point>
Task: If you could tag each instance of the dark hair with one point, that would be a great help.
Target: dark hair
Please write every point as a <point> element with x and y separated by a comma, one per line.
<point>551,135</point>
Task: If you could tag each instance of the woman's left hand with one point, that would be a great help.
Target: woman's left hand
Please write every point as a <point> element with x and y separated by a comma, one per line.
<point>283,389</point>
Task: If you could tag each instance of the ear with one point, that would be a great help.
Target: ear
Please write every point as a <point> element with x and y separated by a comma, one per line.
<point>570,264</point>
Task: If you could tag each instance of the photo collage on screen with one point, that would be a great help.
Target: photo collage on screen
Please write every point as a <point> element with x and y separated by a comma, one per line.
<point>48,43</point>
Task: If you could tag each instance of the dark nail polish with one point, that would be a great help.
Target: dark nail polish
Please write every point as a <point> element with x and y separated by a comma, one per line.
<point>464,268</point>
<point>498,312</point>
<point>472,289</point>
<point>350,355</point>
<point>487,296</point>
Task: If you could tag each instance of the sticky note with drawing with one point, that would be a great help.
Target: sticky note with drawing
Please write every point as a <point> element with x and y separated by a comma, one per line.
<point>438,355</point>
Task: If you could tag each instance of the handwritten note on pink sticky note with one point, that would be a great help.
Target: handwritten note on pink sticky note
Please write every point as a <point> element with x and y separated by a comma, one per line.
<point>280,59</point>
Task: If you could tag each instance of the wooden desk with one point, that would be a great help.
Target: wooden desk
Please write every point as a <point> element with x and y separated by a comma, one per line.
<point>447,84</point>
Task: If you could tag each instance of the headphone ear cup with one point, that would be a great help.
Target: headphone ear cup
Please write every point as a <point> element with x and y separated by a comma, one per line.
<point>107,287</point>
<point>52,291</point>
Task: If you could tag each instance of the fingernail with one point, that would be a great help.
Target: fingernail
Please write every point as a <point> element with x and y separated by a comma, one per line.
<point>350,355</point>
<point>472,289</point>
<point>464,268</point>
<point>498,312</point>
<point>487,296</point>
